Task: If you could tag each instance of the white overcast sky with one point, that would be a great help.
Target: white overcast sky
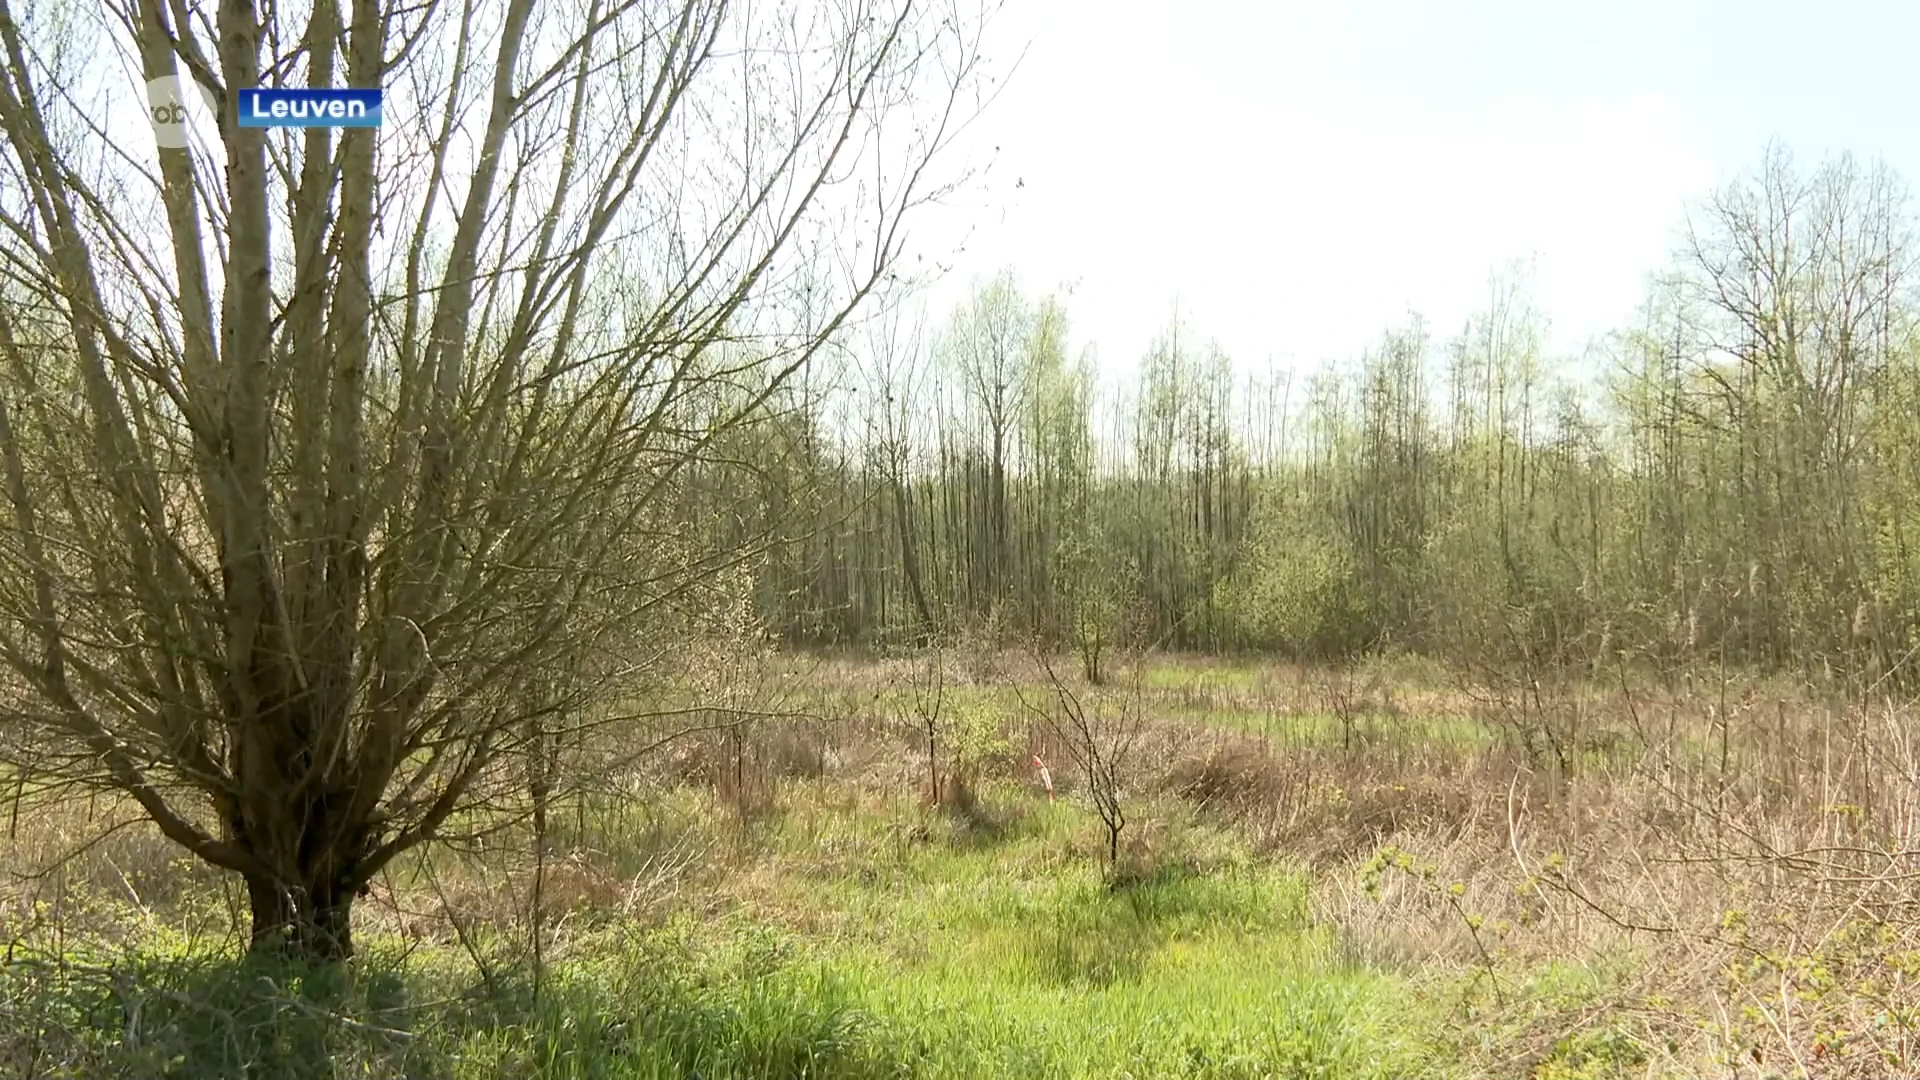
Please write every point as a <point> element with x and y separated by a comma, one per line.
<point>1298,176</point>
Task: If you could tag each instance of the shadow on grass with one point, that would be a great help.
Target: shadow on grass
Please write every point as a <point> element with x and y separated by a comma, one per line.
<point>1104,934</point>
<point>974,822</point>
<point>159,1012</point>
<point>976,825</point>
<point>658,1006</point>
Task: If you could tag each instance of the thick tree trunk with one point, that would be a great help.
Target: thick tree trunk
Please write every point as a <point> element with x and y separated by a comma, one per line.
<point>313,922</point>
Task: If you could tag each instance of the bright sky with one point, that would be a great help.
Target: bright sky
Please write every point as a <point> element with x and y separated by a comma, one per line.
<point>1297,176</point>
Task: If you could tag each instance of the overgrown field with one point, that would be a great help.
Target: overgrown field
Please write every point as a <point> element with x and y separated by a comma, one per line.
<point>1380,871</point>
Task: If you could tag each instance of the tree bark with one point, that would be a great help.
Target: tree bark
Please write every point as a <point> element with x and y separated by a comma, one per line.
<point>311,921</point>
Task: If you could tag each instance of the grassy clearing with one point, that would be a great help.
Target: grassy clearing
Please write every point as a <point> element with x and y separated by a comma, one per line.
<point>879,945</point>
<point>1443,896</point>
<point>1210,966</point>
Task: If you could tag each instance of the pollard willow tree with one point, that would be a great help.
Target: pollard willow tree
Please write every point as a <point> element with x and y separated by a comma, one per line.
<point>329,454</point>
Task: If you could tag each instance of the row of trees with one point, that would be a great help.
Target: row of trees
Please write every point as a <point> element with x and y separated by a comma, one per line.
<point>1734,476</point>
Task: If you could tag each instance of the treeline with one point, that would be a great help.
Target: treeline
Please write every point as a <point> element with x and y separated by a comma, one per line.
<point>1734,477</point>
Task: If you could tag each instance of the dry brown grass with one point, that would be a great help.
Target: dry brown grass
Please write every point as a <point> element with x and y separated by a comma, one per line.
<point>1746,852</point>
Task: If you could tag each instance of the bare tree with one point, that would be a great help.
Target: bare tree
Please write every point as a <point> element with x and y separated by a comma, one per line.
<point>987,344</point>
<point>334,460</point>
<point>924,713</point>
<point>1101,729</point>
<point>895,384</point>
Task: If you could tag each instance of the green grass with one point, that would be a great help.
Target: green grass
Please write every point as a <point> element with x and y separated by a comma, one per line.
<point>882,944</point>
<point>1172,977</point>
<point>1212,674</point>
<point>1324,729</point>
<point>1013,956</point>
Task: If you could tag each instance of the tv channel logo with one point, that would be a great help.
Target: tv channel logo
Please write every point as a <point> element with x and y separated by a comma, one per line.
<point>169,111</point>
